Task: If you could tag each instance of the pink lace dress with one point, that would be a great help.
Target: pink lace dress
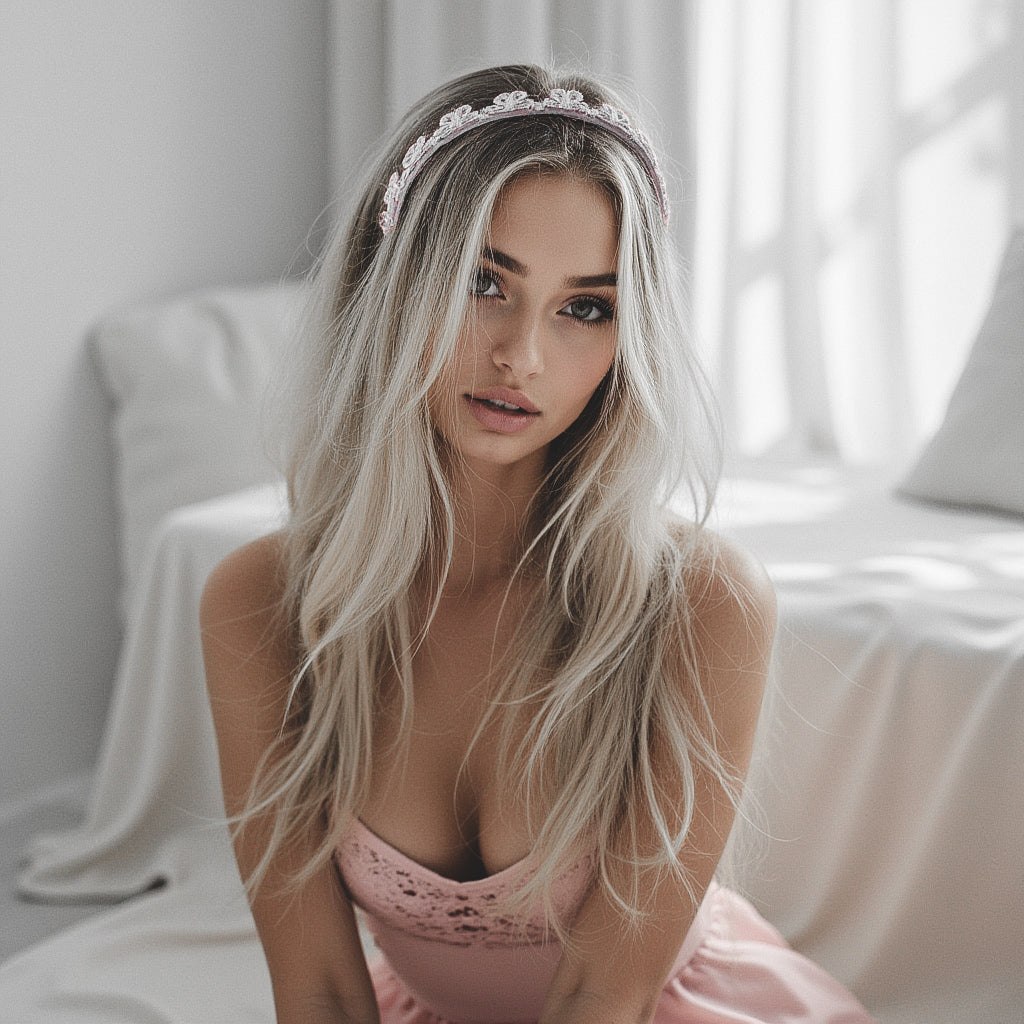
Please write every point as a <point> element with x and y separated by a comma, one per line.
<point>446,960</point>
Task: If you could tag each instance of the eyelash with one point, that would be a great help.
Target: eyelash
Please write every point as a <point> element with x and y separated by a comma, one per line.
<point>603,306</point>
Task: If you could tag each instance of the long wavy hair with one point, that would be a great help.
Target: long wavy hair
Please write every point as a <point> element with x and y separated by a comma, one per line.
<point>600,679</point>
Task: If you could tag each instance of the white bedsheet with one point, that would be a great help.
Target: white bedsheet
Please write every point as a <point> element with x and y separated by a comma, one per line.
<point>889,782</point>
<point>891,775</point>
<point>185,952</point>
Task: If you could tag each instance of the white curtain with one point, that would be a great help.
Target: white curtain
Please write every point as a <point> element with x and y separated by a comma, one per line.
<point>845,172</point>
<point>388,53</point>
<point>860,163</point>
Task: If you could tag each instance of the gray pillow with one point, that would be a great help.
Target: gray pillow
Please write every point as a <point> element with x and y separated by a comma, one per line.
<point>976,457</point>
<point>186,378</point>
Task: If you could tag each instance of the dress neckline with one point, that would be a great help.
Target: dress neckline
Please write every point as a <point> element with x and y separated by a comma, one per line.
<point>370,838</point>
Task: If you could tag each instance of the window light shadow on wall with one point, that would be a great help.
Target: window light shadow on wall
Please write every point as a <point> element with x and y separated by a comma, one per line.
<point>857,165</point>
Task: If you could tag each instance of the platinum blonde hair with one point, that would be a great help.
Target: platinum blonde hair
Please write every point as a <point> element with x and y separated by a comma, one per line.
<point>600,681</point>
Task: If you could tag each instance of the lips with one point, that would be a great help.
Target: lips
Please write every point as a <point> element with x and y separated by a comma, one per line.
<point>505,398</point>
<point>502,410</point>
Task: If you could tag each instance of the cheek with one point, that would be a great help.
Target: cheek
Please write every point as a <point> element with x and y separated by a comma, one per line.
<point>595,368</point>
<point>585,385</point>
<point>462,363</point>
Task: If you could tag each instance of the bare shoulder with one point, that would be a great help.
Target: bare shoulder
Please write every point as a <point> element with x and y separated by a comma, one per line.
<point>245,633</point>
<point>245,589</point>
<point>731,609</point>
<point>729,589</point>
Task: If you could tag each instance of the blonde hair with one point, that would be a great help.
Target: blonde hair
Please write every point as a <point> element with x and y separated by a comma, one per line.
<point>594,669</point>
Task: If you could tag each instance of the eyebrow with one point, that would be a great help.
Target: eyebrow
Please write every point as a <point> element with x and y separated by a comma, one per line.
<point>513,265</point>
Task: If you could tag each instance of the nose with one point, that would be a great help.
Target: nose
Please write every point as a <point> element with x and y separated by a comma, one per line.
<point>519,344</point>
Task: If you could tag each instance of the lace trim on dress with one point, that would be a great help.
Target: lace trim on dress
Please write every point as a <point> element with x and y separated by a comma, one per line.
<point>399,892</point>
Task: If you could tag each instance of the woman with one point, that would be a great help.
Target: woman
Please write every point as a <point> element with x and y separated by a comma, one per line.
<point>484,684</point>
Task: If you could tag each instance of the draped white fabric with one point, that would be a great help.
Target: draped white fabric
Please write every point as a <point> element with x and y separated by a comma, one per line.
<point>845,173</point>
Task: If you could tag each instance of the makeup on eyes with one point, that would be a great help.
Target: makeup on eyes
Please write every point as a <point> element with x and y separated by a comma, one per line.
<point>494,280</point>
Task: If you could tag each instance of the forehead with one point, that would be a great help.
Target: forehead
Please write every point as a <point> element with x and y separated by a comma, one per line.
<point>552,221</point>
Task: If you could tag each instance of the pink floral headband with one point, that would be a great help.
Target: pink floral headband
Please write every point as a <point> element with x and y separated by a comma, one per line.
<point>563,102</point>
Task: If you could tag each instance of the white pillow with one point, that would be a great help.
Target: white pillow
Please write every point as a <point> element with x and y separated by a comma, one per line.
<point>187,378</point>
<point>976,457</point>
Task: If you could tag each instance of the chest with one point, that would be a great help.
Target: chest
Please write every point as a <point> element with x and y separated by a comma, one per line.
<point>435,790</point>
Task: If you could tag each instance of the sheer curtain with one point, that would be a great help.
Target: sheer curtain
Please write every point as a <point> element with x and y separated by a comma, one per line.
<point>860,163</point>
<point>388,53</point>
<point>846,172</point>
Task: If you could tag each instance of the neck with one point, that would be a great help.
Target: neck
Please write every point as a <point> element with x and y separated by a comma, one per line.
<point>492,508</point>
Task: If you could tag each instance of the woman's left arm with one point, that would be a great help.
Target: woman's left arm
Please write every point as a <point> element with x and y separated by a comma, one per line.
<point>613,973</point>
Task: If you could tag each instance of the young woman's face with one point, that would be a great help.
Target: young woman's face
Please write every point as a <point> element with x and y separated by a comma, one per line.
<point>542,334</point>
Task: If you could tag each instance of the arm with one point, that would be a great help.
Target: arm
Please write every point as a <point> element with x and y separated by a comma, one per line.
<point>309,935</point>
<point>615,974</point>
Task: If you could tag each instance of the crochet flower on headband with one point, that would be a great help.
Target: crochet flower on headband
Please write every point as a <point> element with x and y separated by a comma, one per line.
<point>560,102</point>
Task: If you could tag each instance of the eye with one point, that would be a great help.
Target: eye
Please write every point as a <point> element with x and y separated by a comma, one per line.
<point>589,310</point>
<point>485,284</point>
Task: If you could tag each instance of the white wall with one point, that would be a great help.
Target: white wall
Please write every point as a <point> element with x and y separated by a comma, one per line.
<point>147,148</point>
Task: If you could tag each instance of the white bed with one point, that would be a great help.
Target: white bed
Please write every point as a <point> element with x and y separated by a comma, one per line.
<point>892,778</point>
<point>889,782</point>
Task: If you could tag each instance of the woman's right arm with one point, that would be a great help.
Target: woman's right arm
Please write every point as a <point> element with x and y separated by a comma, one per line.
<point>309,935</point>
